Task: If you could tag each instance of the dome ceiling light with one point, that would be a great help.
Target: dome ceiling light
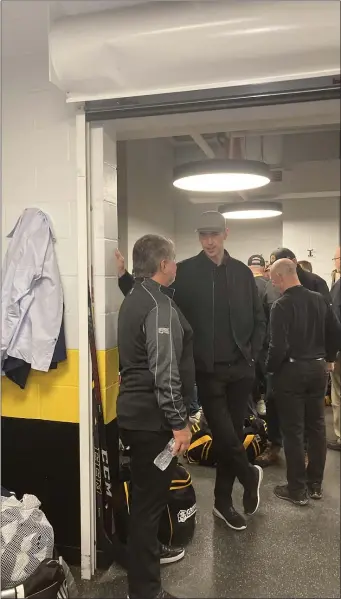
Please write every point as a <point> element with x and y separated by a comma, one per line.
<point>223,175</point>
<point>251,210</point>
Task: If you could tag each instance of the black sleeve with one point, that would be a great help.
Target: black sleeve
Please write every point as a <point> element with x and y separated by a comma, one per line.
<point>322,287</point>
<point>332,334</point>
<point>278,346</point>
<point>164,342</point>
<point>126,283</point>
<point>259,328</point>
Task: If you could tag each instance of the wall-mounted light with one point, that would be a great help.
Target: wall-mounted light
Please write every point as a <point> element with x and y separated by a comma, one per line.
<point>217,176</point>
<point>251,210</point>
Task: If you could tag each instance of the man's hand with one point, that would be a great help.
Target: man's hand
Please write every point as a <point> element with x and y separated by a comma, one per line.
<point>182,440</point>
<point>330,366</point>
<point>119,264</point>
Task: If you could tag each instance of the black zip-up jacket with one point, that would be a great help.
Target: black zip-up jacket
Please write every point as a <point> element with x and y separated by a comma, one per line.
<point>155,345</point>
<point>194,295</point>
<point>304,327</point>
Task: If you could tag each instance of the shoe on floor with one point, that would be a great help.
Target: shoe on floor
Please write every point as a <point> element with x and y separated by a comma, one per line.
<point>230,517</point>
<point>261,407</point>
<point>315,491</point>
<point>269,457</point>
<point>170,555</point>
<point>251,496</point>
<point>282,492</point>
<point>335,445</point>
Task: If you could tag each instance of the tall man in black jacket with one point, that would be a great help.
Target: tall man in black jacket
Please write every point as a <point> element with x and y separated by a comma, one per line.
<point>218,296</point>
<point>305,336</point>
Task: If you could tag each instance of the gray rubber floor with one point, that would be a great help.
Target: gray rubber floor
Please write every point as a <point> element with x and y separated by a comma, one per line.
<point>286,551</point>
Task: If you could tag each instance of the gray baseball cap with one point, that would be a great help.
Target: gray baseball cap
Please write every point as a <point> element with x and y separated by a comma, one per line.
<point>211,222</point>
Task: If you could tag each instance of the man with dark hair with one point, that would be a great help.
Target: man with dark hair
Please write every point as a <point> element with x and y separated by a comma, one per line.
<point>256,264</point>
<point>218,296</point>
<point>306,265</point>
<point>312,282</point>
<point>157,377</point>
<point>305,336</point>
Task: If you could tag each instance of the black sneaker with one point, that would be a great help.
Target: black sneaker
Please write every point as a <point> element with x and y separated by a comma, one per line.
<point>231,518</point>
<point>170,555</point>
<point>315,491</point>
<point>282,492</point>
<point>251,496</point>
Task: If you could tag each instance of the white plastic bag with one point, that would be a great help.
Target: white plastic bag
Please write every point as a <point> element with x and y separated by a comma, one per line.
<point>26,539</point>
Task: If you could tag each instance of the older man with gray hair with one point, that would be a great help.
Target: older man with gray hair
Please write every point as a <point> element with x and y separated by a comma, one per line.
<point>305,336</point>
<point>157,378</point>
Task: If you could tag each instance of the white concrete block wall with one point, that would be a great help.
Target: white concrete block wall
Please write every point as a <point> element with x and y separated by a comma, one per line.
<point>105,234</point>
<point>150,207</point>
<point>313,224</point>
<point>39,164</point>
<point>244,238</point>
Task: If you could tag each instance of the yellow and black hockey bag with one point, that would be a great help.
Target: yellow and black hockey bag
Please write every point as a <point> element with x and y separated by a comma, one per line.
<point>202,450</point>
<point>177,524</point>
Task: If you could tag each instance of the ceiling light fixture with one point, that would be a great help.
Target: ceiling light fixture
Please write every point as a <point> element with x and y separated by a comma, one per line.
<point>217,176</point>
<point>251,210</point>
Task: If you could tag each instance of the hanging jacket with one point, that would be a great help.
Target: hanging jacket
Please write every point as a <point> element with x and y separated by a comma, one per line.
<point>32,296</point>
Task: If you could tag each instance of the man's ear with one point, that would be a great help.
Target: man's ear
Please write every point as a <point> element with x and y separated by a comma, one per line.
<point>295,261</point>
<point>226,233</point>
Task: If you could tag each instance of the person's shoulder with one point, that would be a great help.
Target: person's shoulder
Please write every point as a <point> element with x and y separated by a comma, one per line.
<point>239,266</point>
<point>189,265</point>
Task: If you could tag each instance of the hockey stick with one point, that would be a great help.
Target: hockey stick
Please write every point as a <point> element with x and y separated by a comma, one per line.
<point>104,496</point>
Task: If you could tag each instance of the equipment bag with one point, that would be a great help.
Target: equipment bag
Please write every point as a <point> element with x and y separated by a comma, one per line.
<point>177,524</point>
<point>27,539</point>
<point>202,449</point>
<point>48,581</point>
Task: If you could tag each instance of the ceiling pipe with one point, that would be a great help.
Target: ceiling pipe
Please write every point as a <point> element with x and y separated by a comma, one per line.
<point>203,145</point>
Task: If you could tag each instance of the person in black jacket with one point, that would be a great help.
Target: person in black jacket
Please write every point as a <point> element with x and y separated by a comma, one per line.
<point>218,296</point>
<point>335,293</point>
<point>305,336</point>
<point>310,281</point>
<point>157,378</point>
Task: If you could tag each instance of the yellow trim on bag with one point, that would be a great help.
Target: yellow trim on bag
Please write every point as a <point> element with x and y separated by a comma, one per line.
<point>181,486</point>
<point>248,439</point>
<point>199,442</point>
<point>170,525</point>
<point>126,491</point>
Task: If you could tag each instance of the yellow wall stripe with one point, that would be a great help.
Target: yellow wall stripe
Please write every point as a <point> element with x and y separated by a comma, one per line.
<point>53,395</point>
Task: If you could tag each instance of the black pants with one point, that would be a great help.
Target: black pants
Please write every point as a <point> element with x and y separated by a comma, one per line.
<point>299,393</point>
<point>150,492</point>
<point>224,397</point>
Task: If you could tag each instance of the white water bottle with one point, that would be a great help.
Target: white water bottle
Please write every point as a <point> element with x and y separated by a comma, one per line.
<point>164,458</point>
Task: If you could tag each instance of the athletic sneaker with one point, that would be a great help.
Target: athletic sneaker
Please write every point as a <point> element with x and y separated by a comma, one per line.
<point>251,496</point>
<point>315,491</point>
<point>230,517</point>
<point>282,492</point>
<point>170,555</point>
<point>269,457</point>
<point>261,407</point>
